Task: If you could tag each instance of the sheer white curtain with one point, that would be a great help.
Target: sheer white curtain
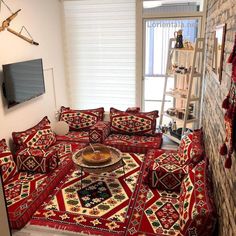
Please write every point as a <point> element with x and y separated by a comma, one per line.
<point>100,52</point>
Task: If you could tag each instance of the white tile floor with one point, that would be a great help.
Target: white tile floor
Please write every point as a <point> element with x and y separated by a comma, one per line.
<point>34,231</point>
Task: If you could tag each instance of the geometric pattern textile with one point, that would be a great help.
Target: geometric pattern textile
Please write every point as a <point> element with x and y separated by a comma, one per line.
<point>165,172</point>
<point>74,136</point>
<point>190,212</point>
<point>24,138</point>
<point>99,132</point>
<point>81,119</point>
<point>25,192</point>
<point>191,148</point>
<point>156,212</point>
<point>7,165</point>
<point>197,211</point>
<point>141,123</point>
<point>37,160</point>
<point>134,143</point>
<point>103,205</point>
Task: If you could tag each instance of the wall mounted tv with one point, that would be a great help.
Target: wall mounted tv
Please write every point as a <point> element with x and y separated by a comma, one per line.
<point>23,81</point>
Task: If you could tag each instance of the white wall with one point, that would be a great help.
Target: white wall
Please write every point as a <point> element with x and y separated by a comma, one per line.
<point>43,21</point>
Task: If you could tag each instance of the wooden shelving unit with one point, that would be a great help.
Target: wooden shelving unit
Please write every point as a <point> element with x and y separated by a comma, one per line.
<point>190,78</point>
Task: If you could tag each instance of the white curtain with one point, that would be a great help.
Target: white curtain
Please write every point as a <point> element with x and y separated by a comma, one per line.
<point>100,43</point>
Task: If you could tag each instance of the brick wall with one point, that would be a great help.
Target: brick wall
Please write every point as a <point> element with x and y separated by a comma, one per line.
<point>219,12</point>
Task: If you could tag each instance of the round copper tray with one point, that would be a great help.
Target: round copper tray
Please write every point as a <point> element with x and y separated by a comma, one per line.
<point>116,157</point>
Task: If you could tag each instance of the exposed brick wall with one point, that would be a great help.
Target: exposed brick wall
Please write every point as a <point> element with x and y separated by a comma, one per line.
<point>219,12</point>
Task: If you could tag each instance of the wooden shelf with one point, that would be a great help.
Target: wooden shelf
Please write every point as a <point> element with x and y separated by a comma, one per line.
<point>182,120</point>
<point>171,74</point>
<point>183,49</point>
<point>181,96</point>
<point>192,59</point>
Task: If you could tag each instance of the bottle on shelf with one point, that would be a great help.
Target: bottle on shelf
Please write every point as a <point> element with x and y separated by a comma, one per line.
<point>174,126</point>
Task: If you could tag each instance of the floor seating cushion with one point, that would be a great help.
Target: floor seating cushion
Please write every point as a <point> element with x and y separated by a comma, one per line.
<point>26,191</point>
<point>74,136</point>
<point>8,167</point>
<point>80,122</point>
<point>188,213</point>
<point>196,208</point>
<point>133,143</point>
<point>168,168</point>
<point>37,160</point>
<point>131,131</point>
<point>164,171</point>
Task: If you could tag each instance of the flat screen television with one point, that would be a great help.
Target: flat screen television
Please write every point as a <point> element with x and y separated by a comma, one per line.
<point>23,81</point>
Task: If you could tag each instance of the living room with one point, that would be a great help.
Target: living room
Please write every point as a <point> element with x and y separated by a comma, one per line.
<point>51,25</point>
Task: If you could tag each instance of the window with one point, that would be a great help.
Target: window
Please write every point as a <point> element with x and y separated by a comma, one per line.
<point>172,6</point>
<point>157,35</point>
<point>100,52</point>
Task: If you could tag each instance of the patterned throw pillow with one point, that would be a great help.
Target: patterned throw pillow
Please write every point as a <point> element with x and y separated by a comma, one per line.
<point>133,109</point>
<point>191,148</point>
<point>7,166</point>
<point>37,160</point>
<point>141,123</point>
<point>81,119</point>
<point>39,136</point>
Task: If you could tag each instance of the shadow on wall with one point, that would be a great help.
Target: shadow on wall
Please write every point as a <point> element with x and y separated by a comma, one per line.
<point>4,222</point>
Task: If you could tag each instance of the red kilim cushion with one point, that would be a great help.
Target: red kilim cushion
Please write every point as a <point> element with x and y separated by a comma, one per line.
<point>81,119</point>
<point>142,123</point>
<point>7,166</point>
<point>39,136</point>
<point>165,172</point>
<point>37,160</point>
<point>99,132</point>
<point>191,148</point>
<point>25,192</point>
<point>196,208</point>
<point>134,143</point>
<point>74,136</point>
<point>133,109</point>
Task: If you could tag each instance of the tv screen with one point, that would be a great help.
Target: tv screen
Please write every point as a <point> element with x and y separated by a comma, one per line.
<point>23,81</point>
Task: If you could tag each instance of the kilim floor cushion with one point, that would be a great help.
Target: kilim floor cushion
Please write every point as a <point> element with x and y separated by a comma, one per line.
<point>75,136</point>
<point>101,207</point>
<point>25,192</point>
<point>134,143</point>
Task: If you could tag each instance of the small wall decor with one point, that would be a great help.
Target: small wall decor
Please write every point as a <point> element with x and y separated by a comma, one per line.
<point>218,50</point>
<point>229,146</point>
<point>6,24</point>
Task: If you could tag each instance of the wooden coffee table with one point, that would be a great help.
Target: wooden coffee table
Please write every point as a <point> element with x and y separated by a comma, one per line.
<point>115,162</point>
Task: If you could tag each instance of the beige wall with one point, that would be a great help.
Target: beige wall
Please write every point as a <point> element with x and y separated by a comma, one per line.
<point>220,12</point>
<point>43,20</point>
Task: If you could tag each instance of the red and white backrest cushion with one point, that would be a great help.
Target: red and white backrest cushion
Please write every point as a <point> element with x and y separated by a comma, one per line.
<point>140,123</point>
<point>81,119</point>
<point>191,148</point>
<point>39,136</point>
<point>196,208</point>
<point>7,165</point>
<point>133,109</point>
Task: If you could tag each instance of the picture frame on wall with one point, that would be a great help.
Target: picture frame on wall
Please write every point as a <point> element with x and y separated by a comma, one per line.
<point>218,51</point>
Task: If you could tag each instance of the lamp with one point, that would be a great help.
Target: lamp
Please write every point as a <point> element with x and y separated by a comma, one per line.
<point>61,128</point>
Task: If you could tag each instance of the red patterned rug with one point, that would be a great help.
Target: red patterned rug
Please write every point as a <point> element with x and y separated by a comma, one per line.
<point>102,207</point>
